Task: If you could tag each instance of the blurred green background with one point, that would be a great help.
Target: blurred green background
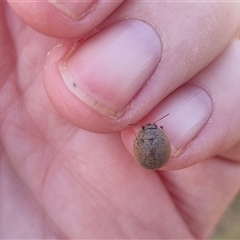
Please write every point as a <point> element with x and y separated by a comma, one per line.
<point>229,225</point>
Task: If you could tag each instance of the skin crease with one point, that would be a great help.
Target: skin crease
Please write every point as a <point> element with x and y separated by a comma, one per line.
<point>54,185</point>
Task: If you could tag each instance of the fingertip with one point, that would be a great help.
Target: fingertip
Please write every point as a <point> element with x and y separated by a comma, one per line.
<point>61,19</point>
<point>67,104</point>
<point>176,127</point>
<point>84,86</point>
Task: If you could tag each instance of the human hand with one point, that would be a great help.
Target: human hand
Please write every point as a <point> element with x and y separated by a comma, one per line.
<point>60,181</point>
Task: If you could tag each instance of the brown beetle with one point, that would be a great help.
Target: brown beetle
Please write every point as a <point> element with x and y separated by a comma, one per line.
<point>152,148</point>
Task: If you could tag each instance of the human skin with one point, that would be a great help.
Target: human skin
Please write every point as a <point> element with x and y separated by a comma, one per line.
<point>67,169</point>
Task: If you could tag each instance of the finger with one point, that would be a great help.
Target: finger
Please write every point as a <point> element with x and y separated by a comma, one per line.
<point>121,73</point>
<point>64,19</point>
<point>203,116</point>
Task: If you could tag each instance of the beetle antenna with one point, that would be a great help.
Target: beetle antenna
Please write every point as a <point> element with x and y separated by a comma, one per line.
<point>161,118</point>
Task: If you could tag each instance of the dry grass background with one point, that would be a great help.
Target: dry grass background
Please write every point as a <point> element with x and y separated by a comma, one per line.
<point>229,225</point>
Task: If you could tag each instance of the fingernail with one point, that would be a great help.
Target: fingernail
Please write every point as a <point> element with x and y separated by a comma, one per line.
<point>74,9</point>
<point>189,109</point>
<point>107,70</point>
